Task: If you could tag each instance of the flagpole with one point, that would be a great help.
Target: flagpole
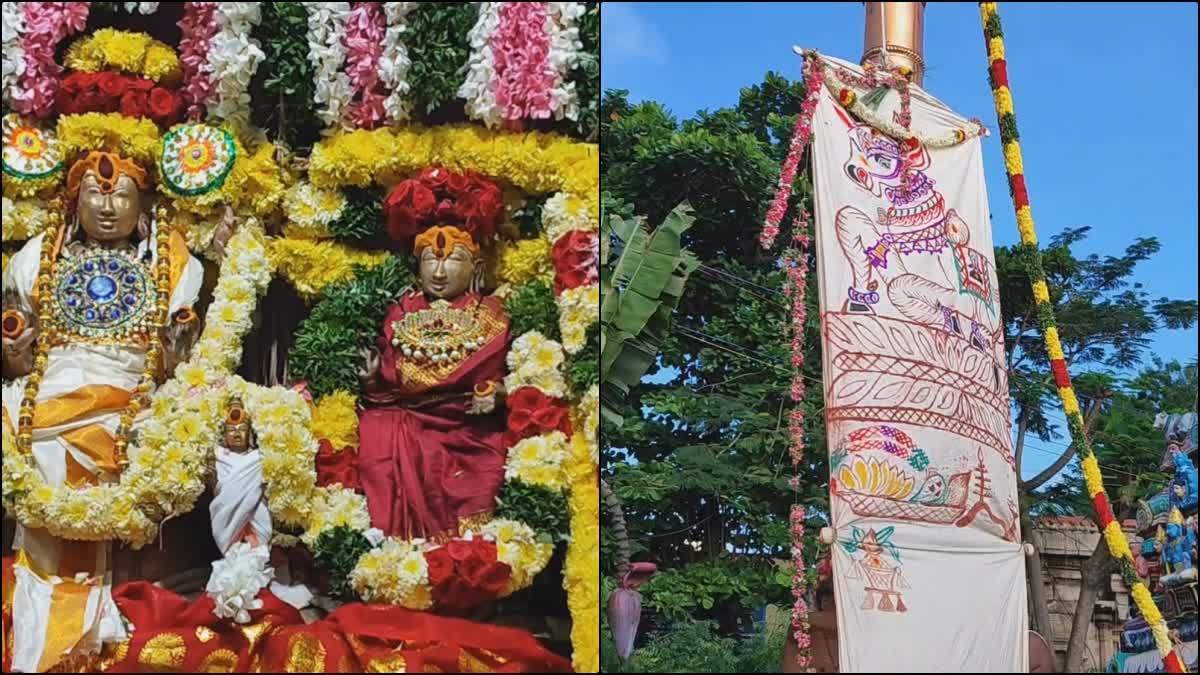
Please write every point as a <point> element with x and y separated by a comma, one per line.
<point>902,26</point>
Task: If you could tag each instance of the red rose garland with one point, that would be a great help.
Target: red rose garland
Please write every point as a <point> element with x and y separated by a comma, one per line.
<point>533,413</point>
<point>576,260</point>
<point>442,197</point>
<point>110,92</point>
<point>466,574</point>
<point>814,79</point>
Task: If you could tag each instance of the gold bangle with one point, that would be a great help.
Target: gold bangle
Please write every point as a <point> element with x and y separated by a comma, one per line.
<point>486,389</point>
<point>14,324</point>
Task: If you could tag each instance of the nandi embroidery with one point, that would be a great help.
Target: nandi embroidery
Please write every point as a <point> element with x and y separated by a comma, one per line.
<point>915,222</point>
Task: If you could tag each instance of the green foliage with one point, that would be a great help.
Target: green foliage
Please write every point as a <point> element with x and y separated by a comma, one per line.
<point>709,430</point>
<point>536,504</point>
<point>586,75</point>
<point>531,307</point>
<point>638,296</point>
<point>326,356</point>
<point>362,217</point>
<point>337,551</point>
<point>288,108</point>
<point>697,646</point>
<point>350,315</point>
<point>438,44</point>
<point>704,588</point>
<point>529,217</point>
<point>1104,319</point>
<point>583,369</point>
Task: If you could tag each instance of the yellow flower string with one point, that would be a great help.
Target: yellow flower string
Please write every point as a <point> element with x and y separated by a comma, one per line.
<point>135,138</point>
<point>1118,546</point>
<point>581,573</point>
<point>310,266</point>
<point>134,53</point>
<point>335,418</point>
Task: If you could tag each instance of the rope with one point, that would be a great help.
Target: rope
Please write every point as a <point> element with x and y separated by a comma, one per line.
<point>1118,546</point>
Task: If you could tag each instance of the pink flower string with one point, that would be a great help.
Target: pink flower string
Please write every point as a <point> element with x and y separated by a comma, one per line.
<point>198,26</point>
<point>801,630</point>
<point>796,265</point>
<point>365,28</point>
<point>46,24</point>
<point>814,79</point>
<point>524,78</point>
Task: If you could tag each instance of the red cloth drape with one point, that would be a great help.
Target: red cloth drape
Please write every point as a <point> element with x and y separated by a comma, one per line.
<point>425,467</point>
<point>174,635</point>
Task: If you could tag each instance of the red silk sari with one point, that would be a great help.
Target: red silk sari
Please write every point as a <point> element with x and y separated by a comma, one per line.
<point>424,463</point>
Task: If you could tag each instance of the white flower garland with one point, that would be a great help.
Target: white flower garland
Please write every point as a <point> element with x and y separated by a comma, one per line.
<point>562,25</point>
<point>395,62</point>
<point>13,20</point>
<point>310,210</point>
<point>563,214</point>
<point>478,88</point>
<point>534,361</point>
<point>141,7</point>
<point>236,580</point>
<point>24,218</point>
<point>576,313</point>
<point>336,506</point>
<point>834,83</point>
<point>233,58</point>
<point>326,28</point>
<point>517,546</point>
<point>171,452</point>
<point>538,460</point>
<point>395,573</point>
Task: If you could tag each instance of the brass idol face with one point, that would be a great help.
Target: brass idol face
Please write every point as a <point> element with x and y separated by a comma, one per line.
<point>108,218</point>
<point>449,277</point>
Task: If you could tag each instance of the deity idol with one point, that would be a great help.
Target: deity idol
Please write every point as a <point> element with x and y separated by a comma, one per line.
<point>431,436</point>
<point>92,321</point>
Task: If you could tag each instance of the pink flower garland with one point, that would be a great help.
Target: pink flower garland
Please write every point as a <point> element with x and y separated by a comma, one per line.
<point>46,24</point>
<point>796,264</point>
<point>365,28</point>
<point>198,27</point>
<point>801,631</point>
<point>524,79</point>
<point>814,79</point>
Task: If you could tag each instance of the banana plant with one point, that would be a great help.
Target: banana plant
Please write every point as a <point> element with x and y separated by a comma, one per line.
<point>639,292</point>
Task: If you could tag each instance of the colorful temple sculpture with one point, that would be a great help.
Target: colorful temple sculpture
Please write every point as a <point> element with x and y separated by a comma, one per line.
<point>1165,555</point>
<point>299,304</point>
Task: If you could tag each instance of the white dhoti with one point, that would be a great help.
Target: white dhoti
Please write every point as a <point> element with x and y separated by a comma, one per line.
<point>239,509</point>
<point>239,513</point>
<point>84,390</point>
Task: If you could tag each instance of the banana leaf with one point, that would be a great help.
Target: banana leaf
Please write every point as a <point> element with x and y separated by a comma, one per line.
<point>638,296</point>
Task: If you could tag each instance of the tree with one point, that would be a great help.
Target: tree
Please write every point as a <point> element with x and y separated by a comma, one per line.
<point>700,463</point>
<point>1105,321</point>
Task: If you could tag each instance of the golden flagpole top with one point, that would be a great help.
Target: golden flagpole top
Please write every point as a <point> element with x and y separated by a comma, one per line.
<point>903,24</point>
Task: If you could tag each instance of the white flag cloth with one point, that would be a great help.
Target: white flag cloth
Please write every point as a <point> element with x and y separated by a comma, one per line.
<point>928,567</point>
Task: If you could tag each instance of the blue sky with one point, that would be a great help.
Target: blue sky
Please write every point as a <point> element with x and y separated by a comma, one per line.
<point>1105,94</point>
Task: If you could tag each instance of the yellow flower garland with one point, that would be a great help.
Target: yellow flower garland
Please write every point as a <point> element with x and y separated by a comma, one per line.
<point>310,266</point>
<point>578,309</point>
<point>134,53</point>
<point>24,218</point>
<point>135,138</point>
<point>581,576</point>
<point>520,262</point>
<point>335,418</point>
<point>536,162</point>
<point>310,210</point>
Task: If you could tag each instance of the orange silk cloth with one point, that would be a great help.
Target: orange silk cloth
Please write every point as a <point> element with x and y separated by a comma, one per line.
<point>174,635</point>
